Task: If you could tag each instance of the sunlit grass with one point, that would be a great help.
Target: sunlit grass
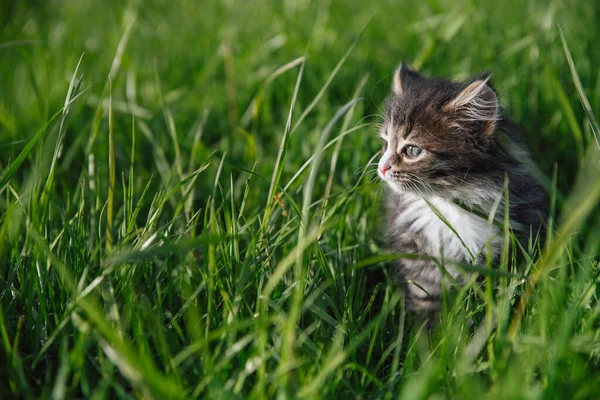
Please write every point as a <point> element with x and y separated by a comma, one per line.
<point>188,205</point>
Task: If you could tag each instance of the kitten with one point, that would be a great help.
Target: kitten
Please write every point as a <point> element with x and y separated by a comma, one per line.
<point>449,149</point>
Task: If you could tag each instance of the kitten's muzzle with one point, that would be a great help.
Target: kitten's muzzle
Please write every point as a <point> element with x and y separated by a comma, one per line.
<point>400,177</point>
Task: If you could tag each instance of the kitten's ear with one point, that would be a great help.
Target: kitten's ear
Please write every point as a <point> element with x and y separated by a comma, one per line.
<point>403,78</point>
<point>476,104</point>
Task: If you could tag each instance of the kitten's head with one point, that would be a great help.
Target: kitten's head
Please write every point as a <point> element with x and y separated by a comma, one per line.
<point>438,135</point>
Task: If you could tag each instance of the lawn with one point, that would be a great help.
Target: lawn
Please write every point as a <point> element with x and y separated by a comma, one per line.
<point>189,206</point>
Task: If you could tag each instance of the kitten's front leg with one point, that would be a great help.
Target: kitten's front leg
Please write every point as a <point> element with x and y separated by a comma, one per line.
<point>421,280</point>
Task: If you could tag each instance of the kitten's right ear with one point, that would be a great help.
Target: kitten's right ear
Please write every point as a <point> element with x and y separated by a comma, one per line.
<point>476,104</point>
<point>402,78</point>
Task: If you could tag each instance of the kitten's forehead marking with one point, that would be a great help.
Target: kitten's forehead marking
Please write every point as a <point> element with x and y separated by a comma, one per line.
<point>400,139</point>
<point>406,132</point>
<point>395,136</point>
<point>389,133</point>
<point>400,145</point>
<point>384,134</point>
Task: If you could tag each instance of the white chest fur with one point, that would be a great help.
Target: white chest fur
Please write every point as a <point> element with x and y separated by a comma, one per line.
<point>473,234</point>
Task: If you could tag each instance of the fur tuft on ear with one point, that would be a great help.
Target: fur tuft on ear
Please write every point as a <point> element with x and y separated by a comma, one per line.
<point>476,104</point>
<point>402,78</point>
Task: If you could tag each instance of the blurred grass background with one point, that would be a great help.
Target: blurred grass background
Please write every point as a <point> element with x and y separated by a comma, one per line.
<point>127,274</point>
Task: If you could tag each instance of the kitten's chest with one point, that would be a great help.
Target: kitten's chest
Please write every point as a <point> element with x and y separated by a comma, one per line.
<point>470,237</point>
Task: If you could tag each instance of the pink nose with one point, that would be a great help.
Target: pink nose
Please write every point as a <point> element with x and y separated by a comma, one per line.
<point>384,169</point>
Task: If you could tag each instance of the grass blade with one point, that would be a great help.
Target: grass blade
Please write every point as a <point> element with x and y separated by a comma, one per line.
<point>580,91</point>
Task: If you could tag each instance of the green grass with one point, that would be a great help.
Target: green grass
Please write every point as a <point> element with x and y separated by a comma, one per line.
<point>188,209</point>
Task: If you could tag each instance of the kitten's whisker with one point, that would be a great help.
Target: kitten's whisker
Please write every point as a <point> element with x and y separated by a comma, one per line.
<point>415,188</point>
<point>427,185</point>
<point>422,182</point>
<point>381,116</point>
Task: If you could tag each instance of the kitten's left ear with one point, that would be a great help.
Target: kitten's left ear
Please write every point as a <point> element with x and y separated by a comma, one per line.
<point>478,104</point>
<point>403,78</point>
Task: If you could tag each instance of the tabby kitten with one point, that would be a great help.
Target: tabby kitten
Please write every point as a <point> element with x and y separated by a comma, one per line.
<point>449,150</point>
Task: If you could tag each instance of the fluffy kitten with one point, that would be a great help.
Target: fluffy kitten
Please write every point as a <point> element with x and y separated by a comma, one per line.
<point>449,149</point>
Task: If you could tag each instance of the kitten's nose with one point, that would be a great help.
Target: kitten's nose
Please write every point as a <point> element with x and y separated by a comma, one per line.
<point>385,162</point>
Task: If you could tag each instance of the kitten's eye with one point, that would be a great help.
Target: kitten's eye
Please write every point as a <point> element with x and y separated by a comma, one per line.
<point>413,151</point>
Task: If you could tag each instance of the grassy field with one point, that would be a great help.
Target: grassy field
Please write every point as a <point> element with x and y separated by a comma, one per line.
<point>189,209</point>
